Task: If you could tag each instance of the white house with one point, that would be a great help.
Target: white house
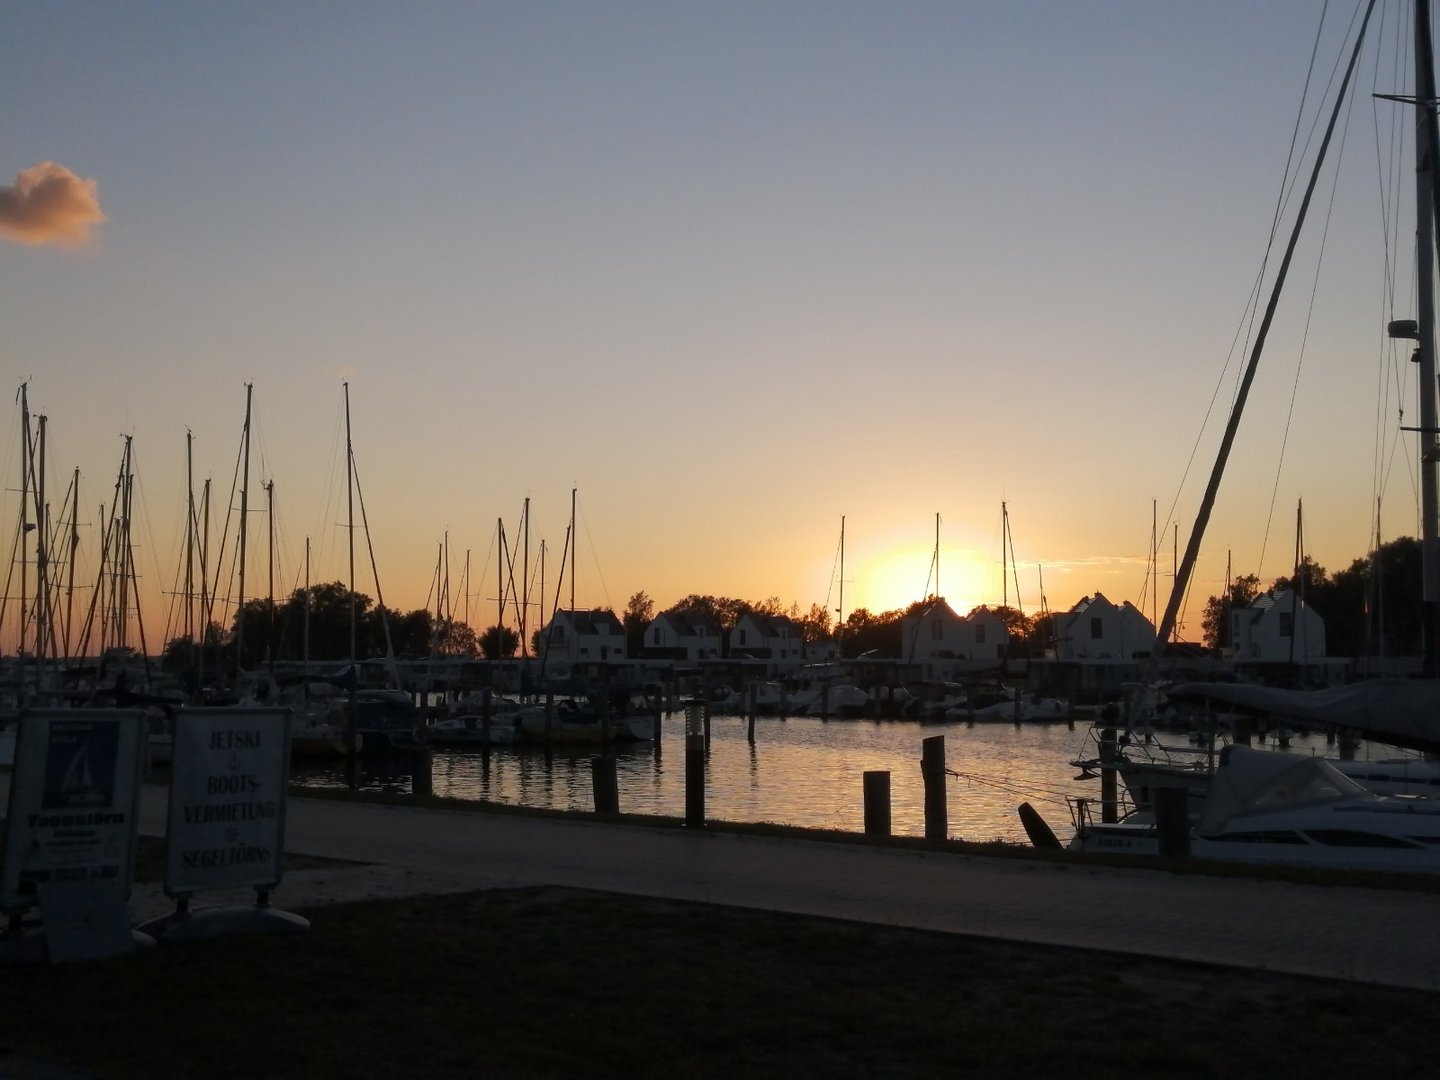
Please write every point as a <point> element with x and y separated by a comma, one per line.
<point>935,637</point>
<point>989,636</point>
<point>580,637</point>
<point>1096,629</point>
<point>768,637</point>
<point>946,644</point>
<point>687,637</point>
<point>1277,628</point>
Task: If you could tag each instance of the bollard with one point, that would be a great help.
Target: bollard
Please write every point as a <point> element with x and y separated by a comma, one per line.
<point>605,785</point>
<point>422,782</point>
<point>1348,745</point>
<point>1172,819</point>
<point>877,803</point>
<point>707,725</point>
<point>659,723</point>
<point>695,765</point>
<point>1109,790</point>
<point>932,768</point>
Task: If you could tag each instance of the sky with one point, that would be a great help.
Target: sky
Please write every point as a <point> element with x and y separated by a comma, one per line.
<point>733,273</point>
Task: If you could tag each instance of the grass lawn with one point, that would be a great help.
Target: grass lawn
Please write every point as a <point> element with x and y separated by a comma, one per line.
<point>549,982</point>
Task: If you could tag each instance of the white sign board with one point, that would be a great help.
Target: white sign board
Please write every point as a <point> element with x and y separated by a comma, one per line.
<point>74,798</point>
<point>227,799</point>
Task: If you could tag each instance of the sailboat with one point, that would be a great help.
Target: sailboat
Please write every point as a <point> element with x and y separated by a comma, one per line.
<point>1266,806</point>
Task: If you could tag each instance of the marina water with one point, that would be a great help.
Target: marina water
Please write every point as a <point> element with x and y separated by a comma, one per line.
<point>801,771</point>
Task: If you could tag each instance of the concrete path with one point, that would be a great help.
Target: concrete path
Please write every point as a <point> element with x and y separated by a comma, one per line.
<point>1383,937</point>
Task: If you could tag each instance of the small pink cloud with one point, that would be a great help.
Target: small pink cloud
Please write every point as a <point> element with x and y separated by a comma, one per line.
<point>50,205</point>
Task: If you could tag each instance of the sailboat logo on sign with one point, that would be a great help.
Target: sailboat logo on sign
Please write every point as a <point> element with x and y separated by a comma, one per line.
<point>80,762</point>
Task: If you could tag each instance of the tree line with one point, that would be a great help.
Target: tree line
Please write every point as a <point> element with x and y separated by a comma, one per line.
<point>1371,607</point>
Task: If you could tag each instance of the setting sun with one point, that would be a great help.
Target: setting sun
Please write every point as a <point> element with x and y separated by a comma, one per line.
<point>897,579</point>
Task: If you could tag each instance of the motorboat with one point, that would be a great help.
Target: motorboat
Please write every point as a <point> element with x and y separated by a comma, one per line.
<point>1267,807</point>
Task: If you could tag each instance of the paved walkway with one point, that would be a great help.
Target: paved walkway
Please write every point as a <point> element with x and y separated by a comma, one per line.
<point>1368,935</point>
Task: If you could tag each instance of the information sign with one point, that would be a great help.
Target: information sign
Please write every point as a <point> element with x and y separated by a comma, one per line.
<point>74,801</point>
<point>227,799</point>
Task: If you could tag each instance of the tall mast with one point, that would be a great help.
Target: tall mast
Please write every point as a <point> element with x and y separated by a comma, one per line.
<point>190,535</point>
<point>938,593</point>
<point>574,562</point>
<point>350,529</point>
<point>305,642</point>
<point>74,545</point>
<point>1184,569</point>
<point>1004,555</point>
<point>525,581</point>
<point>1425,343</point>
<point>840,609</point>
<point>500,588</point>
<point>270,561</point>
<point>244,513</point>
<point>24,526</point>
<point>42,560</point>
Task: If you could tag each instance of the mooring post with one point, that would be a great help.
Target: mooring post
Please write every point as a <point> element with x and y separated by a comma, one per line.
<point>932,768</point>
<point>605,784</point>
<point>695,764</point>
<point>1109,790</point>
<point>750,703</point>
<point>422,783</point>
<point>1172,819</point>
<point>707,725</point>
<point>877,803</point>
<point>1347,747</point>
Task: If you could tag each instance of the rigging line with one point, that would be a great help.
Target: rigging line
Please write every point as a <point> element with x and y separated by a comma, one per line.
<point>1197,534</point>
<point>1305,335</point>
<point>1246,325</point>
<point>590,540</point>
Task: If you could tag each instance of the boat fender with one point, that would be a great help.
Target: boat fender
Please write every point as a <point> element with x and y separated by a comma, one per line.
<point>1041,835</point>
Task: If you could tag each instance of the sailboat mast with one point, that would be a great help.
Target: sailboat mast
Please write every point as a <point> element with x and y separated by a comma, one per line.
<point>244,523</point>
<point>190,535</point>
<point>1184,569</point>
<point>840,608</point>
<point>525,581</point>
<point>574,562</point>
<point>1425,343</point>
<point>350,532</point>
<point>1004,556</point>
<point>270,560</point>
<point>938,593</point>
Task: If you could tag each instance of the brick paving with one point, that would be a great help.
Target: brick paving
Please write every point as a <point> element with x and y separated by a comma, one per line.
<point>1367,935</point>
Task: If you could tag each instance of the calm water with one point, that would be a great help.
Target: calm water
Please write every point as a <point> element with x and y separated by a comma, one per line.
<point>801,771</point>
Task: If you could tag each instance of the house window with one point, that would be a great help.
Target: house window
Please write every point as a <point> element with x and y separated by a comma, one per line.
<point>980,633</point>
<point>656,640</point>
<point>558,632</point>
<point>1287,624</point>
<point>742,637</point>
<point>937,631</point>
<point>1097,628</point>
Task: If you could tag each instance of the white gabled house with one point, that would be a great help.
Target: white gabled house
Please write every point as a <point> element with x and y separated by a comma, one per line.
<point>1277,628</point>
<point>945,643</point>
<point>1096,629</point>
<point>989,636</point>
<point>583,637</point>
<point>775,638</point>
<point>681,637</point>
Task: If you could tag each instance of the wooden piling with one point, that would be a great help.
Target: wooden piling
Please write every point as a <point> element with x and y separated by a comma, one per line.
<point>605,784</point>
<point>1109,787</point>
<point>932,768</point>
<point>877,803</point>
<point>422,782</point>
<point>1172,819</point>
<point>695,765</point>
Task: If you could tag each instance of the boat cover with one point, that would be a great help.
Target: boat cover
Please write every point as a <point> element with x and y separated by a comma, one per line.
<point>1405,712</point>
<point>1251,781</point>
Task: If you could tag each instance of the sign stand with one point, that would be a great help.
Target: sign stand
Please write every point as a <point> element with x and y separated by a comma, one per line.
<point>226,829</point>
<point>70,835</point>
